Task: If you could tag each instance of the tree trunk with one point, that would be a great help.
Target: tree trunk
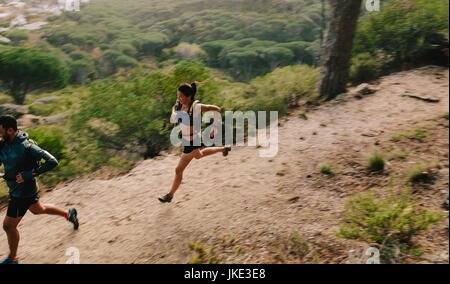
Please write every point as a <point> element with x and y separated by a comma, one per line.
<point>18,93</point>
<point>337,47</point>
<point>322,21</point>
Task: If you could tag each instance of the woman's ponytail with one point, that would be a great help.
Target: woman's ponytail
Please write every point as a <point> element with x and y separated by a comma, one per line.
<point>194,88</point>
<point>189,90</point>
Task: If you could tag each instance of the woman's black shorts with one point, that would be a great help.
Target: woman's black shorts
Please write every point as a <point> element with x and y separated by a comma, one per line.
<point>188,147</point>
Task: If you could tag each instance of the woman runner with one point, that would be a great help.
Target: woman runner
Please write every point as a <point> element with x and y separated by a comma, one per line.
<point>186,104</point>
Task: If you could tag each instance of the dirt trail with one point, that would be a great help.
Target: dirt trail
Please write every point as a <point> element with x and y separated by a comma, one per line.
<point>243,196</point>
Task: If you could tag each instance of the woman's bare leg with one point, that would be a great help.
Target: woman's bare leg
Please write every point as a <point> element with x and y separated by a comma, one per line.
<point>184,162</point>
<point>208,152</point>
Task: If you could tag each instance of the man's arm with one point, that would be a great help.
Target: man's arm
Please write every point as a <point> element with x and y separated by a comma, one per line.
<point>39,154</point>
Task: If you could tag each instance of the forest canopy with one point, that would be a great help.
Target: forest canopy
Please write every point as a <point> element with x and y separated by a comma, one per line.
<point>231,34</point>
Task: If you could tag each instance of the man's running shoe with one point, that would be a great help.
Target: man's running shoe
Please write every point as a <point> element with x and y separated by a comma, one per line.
<point>73,218</point>
<point>9,260</point>
<point>227,149</point>
<point>166,199</point>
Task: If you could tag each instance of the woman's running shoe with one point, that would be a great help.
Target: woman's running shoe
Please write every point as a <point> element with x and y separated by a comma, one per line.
<point>227,149</point>
<point>166,199</point>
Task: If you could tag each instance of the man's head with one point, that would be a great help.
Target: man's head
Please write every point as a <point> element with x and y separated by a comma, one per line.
<point>8,128</point>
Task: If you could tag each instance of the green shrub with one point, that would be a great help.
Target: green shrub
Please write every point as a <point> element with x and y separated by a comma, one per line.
<point>398,137</point>
<point>419,134</point>
<point>326,169</point>
<point>403,30</point>
<point>75,155</point>
<point>290,248</point>
<point>151,43</point>
<point>401,154</point>
<point>416,134</point>
<point>54,140</point>
<point>314,99</point>
<point>69,48</point>
<point>303,114</point>
<point>61,105</point>
<point>51,139</point>
<point>277,91</point>
<point>390,221</point>
<point>416,252</point>
<point>299,245</point>
<point>202,256</point>
<point>5,99</point>
<point>4,23</point>
<point>131,114</point>
<point>376,161</point>
<point>81,70</point>
<point>124,61</point>
<point>365,67</point>
<point>189,51</point>
<point>127,49</point>
<point>17,36</point>
<point>418,173</point>
<point>80,55</point>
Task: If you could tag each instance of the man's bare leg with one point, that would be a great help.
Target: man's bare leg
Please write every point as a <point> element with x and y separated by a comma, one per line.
<point>71,215</point>
<point>10,227</point>
<point>39,209</point>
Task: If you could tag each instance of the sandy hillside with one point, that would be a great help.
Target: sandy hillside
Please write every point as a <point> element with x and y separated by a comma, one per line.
<point>248,207</point>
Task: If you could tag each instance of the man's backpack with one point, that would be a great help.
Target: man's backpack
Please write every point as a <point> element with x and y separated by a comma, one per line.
<point>29,163</point>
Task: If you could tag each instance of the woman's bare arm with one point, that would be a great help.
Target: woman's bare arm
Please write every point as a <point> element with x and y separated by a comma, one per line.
<point>206,108</point>
<point>216,109</point>
<point>174,115</point>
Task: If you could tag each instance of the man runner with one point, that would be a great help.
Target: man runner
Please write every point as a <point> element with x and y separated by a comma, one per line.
<point>21,159</point>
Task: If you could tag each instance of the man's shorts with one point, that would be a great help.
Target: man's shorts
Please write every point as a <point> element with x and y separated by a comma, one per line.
<point>17,207</point>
